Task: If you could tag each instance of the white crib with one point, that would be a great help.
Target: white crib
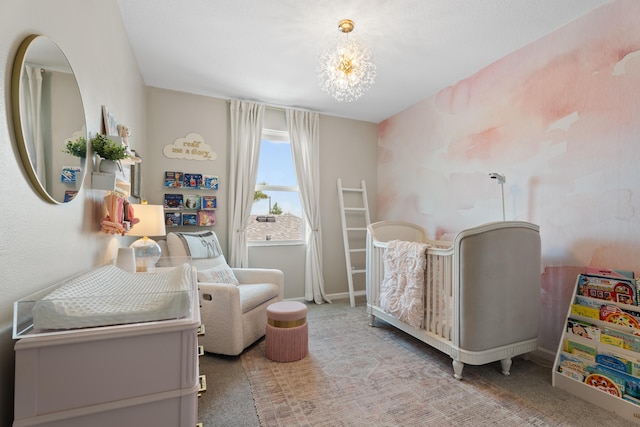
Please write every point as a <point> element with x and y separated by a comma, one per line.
<point>481,291</point>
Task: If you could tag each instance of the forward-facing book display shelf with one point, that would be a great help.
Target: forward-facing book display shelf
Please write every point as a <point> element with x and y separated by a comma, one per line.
<point>110,348</point>
<point>195,207</point>
<point>598,358</point>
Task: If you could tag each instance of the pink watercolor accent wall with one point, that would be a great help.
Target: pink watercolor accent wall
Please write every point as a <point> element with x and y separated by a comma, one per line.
<point>560,118</point>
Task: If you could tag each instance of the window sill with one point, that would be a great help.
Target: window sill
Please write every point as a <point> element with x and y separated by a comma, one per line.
<point>264,243</point>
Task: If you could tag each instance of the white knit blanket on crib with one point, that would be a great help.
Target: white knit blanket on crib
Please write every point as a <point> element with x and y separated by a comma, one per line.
<point>402,288</point>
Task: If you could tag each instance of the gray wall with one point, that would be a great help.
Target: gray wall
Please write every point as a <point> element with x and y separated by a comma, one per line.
<point>348,149</point>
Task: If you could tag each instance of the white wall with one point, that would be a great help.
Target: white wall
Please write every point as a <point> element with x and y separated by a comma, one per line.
<point>41,243</point>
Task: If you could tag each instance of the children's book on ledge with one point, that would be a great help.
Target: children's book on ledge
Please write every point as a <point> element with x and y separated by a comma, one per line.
<point>190,219</point>
<point>173,219</point>
<point>191,201</point>
<point>209,182</point>
<point>172,179</point>
<point>192,180</point>
<point>208,202</point>
<point>206,218</point>
<point>173,201</point>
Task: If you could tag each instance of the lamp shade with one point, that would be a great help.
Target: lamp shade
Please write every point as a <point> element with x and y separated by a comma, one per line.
<point>151,221</point>
<point>147,251</point>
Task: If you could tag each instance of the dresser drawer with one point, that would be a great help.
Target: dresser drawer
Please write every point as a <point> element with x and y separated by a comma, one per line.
<point>178,408</point>
<point>58,377</point>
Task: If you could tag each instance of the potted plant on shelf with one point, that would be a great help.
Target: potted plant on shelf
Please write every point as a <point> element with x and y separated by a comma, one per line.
<point>110,153</point>
<point>77,148</point>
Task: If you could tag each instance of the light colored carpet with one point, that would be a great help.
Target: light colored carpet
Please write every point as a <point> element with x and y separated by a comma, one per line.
<point>356,375</point>
<point>227,401</point>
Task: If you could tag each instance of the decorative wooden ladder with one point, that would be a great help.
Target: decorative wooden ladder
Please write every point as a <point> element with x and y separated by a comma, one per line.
<point>361,218</point>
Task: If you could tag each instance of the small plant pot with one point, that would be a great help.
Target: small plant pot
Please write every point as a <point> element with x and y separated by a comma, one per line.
<point>109,166</point>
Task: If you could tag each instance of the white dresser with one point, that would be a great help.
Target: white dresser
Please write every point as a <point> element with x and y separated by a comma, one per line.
<point>135,374</point>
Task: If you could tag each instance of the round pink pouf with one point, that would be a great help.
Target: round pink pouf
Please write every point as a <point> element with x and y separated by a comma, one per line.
<point>287,333</point>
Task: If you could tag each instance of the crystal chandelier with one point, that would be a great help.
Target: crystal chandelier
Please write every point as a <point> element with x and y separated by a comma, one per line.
<point>345,71</point>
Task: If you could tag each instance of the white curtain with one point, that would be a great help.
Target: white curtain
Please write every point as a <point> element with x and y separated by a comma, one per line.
<point>32,129</point>
<point>304,134</point>
<point>246,130</point>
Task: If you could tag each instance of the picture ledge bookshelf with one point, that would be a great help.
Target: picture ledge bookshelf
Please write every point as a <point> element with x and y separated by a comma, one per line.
<point>189,200</point>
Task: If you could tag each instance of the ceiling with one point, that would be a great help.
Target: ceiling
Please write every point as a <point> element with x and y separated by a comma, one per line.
<point>266,50</point>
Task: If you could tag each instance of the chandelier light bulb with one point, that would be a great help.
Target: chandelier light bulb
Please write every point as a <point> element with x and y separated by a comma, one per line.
<point>346,70</point>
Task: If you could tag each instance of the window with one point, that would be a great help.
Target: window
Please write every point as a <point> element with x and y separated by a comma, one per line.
<point>276,215</point>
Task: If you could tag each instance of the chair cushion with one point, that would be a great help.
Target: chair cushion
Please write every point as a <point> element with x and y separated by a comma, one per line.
<point>286,311</point>
<point>202,244</point>
<point>253,295</point>
<point>220,274</point>
<point>177,248</point>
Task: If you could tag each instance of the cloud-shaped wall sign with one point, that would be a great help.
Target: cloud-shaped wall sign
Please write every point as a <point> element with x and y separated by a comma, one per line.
<point>191,147</point>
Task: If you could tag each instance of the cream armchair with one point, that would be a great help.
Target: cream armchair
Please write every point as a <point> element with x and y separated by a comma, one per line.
<point>233,301</point>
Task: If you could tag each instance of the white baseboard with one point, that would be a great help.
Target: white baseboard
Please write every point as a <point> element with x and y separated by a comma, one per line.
<point>543,357</point>
<point>332,297</point>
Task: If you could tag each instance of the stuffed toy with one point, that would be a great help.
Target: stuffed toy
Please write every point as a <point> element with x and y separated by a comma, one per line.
<point>124,133</point>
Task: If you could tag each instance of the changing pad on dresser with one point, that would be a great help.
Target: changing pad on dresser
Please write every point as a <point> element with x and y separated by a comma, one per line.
<point>109,295</point>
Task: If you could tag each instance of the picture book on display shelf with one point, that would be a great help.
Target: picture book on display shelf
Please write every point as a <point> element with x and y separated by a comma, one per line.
<point>206,218</point>
<point>190,219</point>
<point>209,182</point>
<point>173,201</point>
<point>598,358</point>
<point>198,181</point>
<point>70,174</point>
<point>173,179</point>
<point>208,202</point>
<point>69,195</point>
<point>191,201</point>
<point>192,180</point>
<point>173,219</point>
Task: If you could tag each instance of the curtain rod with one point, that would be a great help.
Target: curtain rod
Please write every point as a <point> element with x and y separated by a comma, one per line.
<point>275,106</point>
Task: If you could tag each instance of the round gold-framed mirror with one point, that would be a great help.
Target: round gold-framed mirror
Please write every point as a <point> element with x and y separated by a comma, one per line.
<point>48,119</point>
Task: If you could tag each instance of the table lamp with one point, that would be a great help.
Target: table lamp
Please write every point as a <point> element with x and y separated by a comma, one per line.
<point>147,251</point>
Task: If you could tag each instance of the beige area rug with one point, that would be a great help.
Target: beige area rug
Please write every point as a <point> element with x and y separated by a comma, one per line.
<point>356,375</point>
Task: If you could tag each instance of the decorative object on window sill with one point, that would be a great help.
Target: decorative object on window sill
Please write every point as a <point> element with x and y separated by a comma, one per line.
<point>500,179</point>
<point>191,147</point>
<point>346,70</point>
<point>152,223</point>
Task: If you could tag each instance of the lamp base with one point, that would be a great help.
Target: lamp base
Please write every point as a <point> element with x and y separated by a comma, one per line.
<point>147,253</point>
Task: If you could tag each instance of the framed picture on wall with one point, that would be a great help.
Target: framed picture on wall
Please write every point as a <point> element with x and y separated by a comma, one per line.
<point>109,122</point>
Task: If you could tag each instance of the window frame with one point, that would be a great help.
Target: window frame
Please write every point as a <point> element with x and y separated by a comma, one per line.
<point>280,136</point>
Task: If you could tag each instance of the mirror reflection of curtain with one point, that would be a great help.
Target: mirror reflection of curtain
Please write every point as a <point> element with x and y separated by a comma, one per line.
<point>32,102</point>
